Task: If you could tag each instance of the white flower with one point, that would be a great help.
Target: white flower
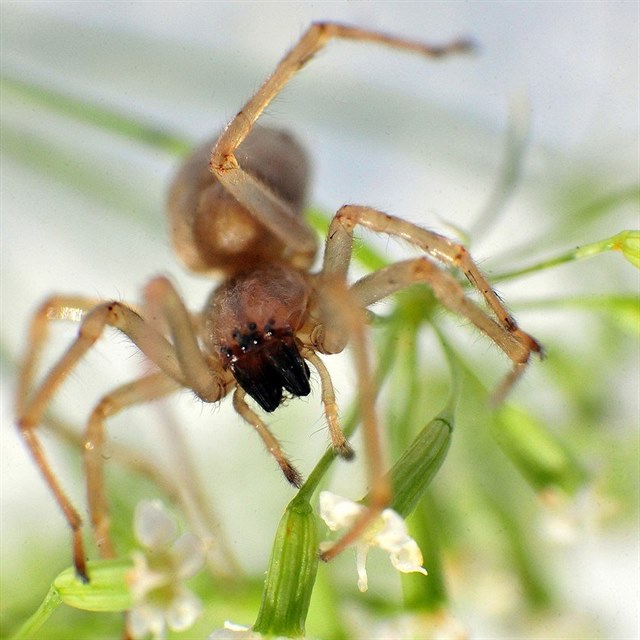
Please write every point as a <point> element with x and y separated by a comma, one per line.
<point>389,532</point>
<point>232,631</point>
<point>161,600</point>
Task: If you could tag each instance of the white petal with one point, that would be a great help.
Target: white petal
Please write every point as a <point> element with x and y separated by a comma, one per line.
<point>338,512</point>
<point>233,631</point>
<point>188,554</point>
<point>183,611</point>
<point>408,558</point>
<point>393,534</point>
<point>361,565</point>
<point>144,619</point>
<point>232,626</point>
<point>152,525</point>
<point>141,579</point>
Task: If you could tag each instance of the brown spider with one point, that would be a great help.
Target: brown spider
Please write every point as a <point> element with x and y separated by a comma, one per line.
<point>238,210</point>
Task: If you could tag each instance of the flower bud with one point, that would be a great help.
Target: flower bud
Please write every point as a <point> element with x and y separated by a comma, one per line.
<point>541,457</point>
<point>291,574</point>
<point>416,467</point>
<point>107,589</point>
<point>629,243</point>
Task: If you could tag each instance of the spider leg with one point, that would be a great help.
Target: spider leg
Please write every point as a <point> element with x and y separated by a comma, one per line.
<point>204,375</point>
<point>516,343</point>
<point>450,293</point>
<point>339,442</point>
<point>71,515</point>
<point>270,441</point>
<point>347,318</point>
<point>31,406</point>
<point>249,191</point>
<point>150,387</point>
<point>114,314</point>
<point>56,307</point>
<point>342,314</point>
<point>94,318</point>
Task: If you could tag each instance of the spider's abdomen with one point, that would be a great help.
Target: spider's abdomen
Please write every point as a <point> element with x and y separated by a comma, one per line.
<point>210,229</point>
<point>250,325</point>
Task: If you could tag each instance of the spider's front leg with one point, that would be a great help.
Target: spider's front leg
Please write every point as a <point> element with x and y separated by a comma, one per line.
<point>182,364</point>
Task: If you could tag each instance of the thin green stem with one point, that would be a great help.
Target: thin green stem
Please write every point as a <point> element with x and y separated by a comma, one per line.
<point>96,114</point>
<point>50,603</point>
<point>619,242</point>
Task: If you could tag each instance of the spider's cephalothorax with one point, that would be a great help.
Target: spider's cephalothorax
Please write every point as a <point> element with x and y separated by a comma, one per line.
<point>251,322</point>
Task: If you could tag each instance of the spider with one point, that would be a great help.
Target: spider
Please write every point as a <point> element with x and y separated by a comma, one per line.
<point>235,207</point>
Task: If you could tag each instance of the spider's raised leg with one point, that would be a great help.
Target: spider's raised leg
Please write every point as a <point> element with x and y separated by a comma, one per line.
<point>267,208</point>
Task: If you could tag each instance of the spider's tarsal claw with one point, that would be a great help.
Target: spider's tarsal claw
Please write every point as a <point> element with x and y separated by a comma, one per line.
<point>292,475</point>
<point>79,561</point>
<point>322,557</point>
<point>81,571</point>
<point>529,341</point>
<point>345,451</point>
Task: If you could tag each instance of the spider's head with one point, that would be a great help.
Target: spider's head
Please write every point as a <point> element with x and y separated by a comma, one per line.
<point>265,361</point>
<point>250,321</point>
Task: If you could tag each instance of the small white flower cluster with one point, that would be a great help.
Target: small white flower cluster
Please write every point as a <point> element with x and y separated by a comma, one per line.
<point>389,532</point>
<point>161,600</point>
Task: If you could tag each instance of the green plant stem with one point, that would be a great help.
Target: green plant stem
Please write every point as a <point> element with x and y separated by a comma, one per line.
<point>291,574</point>
<point>50,603</point>
<point>614,243</point>
<point>108,119</point>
